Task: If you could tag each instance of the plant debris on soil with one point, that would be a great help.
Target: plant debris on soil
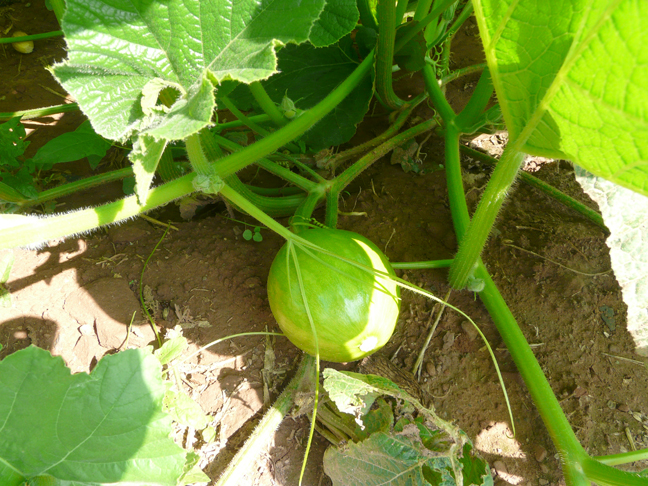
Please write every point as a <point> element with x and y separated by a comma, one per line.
<point>77,297</point>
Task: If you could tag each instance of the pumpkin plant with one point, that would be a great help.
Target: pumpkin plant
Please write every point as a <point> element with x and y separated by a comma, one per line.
<point>570,83</point>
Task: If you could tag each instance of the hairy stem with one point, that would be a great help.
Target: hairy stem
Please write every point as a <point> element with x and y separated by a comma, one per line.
<point>40,112</point>
<point>263,433</point>
<point>559,196</point>
<point>266,104</point>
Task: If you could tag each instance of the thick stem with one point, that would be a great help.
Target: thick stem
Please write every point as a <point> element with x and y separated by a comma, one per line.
<point>59,9</point>
<point>80,185</point>
<point>232,163</point>
<point>366,15</point>
<point>473,241</point>
<point>263,433</point>
<point>433,15</point>
<point>571,452</point>
<point>607,475</point>
<point>559,196</point>
<point>386,10</point>
<point>477,102</point>
<point>270,166</point>
<point>32,231</point>
<point>266,104</point>
<point>305,210</point>
<point>344,179</point>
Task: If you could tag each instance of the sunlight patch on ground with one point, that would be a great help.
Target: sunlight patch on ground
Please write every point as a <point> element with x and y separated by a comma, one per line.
<point>498,440</point>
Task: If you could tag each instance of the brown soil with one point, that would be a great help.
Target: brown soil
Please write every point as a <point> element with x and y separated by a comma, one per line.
<point>76,297</point>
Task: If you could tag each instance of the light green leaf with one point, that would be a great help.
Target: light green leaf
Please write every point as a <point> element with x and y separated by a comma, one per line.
<point>117,48</point>
<point>82,429</point>
<point>6,264</point>
<point>185,411</point>
<point>145,156</point>
<point>572,79</point>
<point>171,349</point>
<point>626,215</point>
<point>338,18</point>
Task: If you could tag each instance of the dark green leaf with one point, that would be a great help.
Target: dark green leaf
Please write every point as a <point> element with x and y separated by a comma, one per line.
<point>12,143</point>
<point>71,146</point>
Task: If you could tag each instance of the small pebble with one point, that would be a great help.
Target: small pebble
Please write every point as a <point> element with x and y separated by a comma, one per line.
<point>430,368</point>
<point>500,467</point>
<point>580,391</point>
<point>623,408</point>
<point>540,453</point>
<point>542,482</point>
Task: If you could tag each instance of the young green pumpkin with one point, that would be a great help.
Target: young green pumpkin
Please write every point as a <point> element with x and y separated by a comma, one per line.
<point>354,311</point>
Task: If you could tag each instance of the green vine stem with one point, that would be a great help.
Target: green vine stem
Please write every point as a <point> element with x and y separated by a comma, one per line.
<point>236,161</point>
<point>461,72</point>
<point>267,105</point>
<point>409,34</point>
<point>40,112</point>
<point>422,265</point>
<point>366,15</point>
<point>59,9</point>
<point>386,10</point>
<point>477,102</point>
<point>33,37</point>
<point>548,189</point>
<point>34,231</point>
<point>346,177</point>
<point>393,129</point>
<point>262,435</point>
<point>80,185</point>
<point>263,118</point>
<point>480,226</point>
<point>623,458</point>
<point>286,174</point>
<point>306,208</point>
<point>575,460</point>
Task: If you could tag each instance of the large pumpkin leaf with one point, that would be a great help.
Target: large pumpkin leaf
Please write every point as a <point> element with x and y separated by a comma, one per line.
<point>102,428</point>
<point>124,52</point>
<point>572,79</point>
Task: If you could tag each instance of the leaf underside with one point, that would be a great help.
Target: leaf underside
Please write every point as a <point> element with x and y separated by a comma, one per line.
<point>572,79</point>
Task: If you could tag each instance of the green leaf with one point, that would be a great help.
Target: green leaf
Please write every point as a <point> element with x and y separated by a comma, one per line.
<point>145,156</point>
<point>301,68</point>
<point>71,146</point>
<point>185,411</point>
<point>338,18</point>
<point>385,459</point>
<point>171,349</point>
<point>626,215</point>
<point>118,48</point>
<point>572,80</point>
<point>6,264</point>
<point>12,143</point>
<point>402,459</point>
<point>82,429</point>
